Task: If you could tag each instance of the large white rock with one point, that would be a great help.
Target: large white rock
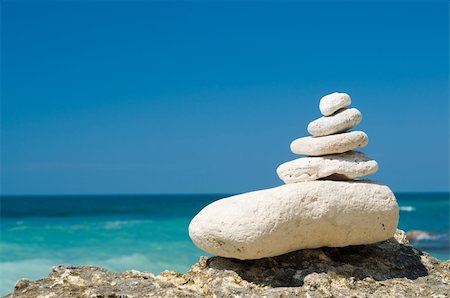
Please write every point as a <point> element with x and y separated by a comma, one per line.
<point>339,122</point>
<point>333,144</point>
<point>296,216</point>
<point>348,165</point>
<point>332,102</point>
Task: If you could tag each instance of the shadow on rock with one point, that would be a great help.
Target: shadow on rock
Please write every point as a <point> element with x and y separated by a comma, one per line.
<point>381,261</point>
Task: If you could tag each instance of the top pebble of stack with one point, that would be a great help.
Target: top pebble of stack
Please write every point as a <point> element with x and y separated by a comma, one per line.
<point>332,102</point>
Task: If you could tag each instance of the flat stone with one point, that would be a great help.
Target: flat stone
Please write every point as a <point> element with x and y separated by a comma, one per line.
<point>283,219</point>
<point>333,144</point>
<point>339,122</point>
<point>348,165</point>
<point>332,102</point>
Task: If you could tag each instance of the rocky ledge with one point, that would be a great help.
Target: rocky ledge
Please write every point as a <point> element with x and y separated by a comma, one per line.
<point>391,268</point>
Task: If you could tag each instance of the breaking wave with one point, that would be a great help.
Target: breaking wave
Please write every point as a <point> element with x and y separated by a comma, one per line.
<point>407,208</point>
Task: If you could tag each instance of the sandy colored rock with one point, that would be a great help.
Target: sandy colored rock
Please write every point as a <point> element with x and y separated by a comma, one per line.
<point>348,165</point>
<point>332,102</point>
<point>387,269</point>
<point>296,216</point>
<point>339,122</point>
<point>333,144</point>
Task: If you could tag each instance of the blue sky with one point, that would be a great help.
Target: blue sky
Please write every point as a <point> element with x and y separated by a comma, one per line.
<point>199,97</point>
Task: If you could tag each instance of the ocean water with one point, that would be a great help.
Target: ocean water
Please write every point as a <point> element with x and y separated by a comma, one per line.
<point>147,233</point>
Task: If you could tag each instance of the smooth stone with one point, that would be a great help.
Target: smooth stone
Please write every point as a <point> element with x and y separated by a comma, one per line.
<point>339,122</point>
<point>332,102</point>
<point>333,144</point>
<point>290,217</point>
<point>344,166</point>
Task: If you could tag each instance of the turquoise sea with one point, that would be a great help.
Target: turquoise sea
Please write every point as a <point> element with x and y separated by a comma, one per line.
<point>145,232</point>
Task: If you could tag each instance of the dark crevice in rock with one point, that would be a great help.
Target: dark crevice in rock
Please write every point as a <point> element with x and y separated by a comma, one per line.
<point>336,177</point>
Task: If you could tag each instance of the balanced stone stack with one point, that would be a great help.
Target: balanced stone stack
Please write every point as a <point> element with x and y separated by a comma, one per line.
<point>329,147</point>
<point>320,205</point>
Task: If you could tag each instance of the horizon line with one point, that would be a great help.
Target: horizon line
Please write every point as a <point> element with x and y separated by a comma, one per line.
<point>177,194</point>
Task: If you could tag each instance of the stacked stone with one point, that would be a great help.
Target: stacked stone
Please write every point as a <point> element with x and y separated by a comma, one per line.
<point>311,209</point>
<point>329,149</point>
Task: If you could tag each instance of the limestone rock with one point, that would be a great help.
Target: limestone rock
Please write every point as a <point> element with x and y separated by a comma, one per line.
<point>387,269</point>
<point>339,122</point>
<point>332,102</point>
<point>296,216</point>
<point>344,166</point>
<point>333,144</point>
<point>67,281</point>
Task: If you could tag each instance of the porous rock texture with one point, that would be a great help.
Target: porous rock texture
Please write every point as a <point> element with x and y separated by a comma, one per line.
<point>344,166</point>
<point>289,217</point>
<point>332,144</point>
<point>388,269</point>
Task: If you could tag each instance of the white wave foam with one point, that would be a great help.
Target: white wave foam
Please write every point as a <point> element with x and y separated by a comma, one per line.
<point>428,236</point>
<point>118,224</point>
<point>407,208</point>
<point>95,225</point>
<point>423,235</point>
<point>19,228</point>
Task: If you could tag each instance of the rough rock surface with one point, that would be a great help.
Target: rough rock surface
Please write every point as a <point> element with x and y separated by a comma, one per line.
<point>333,144</point>
<point>289,217</point>
<point>332,102</point>
<point>339,122</point>
<point>344,166</point>
<point>387,269</point>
